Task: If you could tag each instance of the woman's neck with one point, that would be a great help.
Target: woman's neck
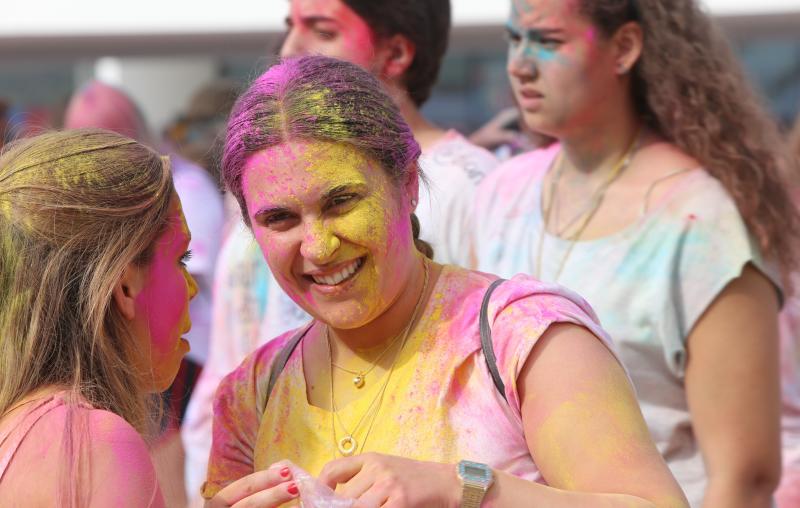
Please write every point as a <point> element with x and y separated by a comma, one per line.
<point>398,315</point>
<point>593,149</point>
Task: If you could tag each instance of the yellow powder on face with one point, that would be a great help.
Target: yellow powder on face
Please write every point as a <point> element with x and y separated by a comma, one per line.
<point>297,176</point>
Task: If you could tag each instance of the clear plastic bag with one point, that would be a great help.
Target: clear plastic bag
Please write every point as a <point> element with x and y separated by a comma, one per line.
<point>313,493</point>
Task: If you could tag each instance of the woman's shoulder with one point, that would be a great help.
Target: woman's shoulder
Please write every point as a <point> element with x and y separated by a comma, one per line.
<point>261,359</point>
<point>698,205</point>
<point>677,182</point>
<point>247,385</point>
<point>109,436</point>
<point>510,189</point>
<point>531,300</point>
<point>92,440</point>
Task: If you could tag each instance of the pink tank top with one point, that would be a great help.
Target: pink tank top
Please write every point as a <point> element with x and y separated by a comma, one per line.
<point>14,434</point>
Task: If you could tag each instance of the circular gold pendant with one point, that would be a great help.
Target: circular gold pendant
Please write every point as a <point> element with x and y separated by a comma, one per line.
<point>347,445</point>
<point>359,381</point>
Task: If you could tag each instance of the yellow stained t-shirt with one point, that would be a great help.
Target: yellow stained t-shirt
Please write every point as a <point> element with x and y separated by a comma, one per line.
<point>440,403</point>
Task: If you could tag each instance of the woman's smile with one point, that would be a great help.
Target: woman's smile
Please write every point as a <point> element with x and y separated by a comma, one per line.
<point>335,279</point>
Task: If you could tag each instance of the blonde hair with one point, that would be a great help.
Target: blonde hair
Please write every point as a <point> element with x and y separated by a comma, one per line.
<point>76,208</point>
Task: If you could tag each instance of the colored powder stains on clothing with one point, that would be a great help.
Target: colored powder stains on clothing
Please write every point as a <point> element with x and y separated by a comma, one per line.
<point>251,308</point>
<point>649,283</point>
<point>440,405</point>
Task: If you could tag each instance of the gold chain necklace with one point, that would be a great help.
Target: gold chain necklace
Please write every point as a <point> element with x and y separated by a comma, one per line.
<point>348,445</point>
<point>360,376</point>
<point>596,201</point>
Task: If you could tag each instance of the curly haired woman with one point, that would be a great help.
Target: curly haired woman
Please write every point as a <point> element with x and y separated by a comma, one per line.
<point>652,207</point>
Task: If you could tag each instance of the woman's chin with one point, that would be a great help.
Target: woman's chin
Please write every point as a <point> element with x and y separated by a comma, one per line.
<point>343,316</point>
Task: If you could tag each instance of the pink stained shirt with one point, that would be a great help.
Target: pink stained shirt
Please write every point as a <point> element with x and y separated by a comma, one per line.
<point>440,405</point>
<point>116,469</point>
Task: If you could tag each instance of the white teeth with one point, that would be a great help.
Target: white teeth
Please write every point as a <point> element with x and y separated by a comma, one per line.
<point>338,277</point>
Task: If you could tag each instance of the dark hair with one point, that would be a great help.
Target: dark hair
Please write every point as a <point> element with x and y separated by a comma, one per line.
<point>688,86</point>
<point>426,23</point>
<point>323,99</point>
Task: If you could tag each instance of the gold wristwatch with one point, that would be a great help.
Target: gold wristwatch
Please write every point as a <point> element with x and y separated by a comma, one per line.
<point>476,478</point>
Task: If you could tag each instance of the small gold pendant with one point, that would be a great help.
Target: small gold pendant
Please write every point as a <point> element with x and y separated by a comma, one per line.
<point>347,445</point>
<point>358,381</point>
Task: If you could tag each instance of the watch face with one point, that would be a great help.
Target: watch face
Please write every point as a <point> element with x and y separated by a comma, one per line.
<point>475,471</point>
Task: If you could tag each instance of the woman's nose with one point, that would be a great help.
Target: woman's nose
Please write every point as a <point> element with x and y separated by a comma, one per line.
<point>193,288</point>
<point>319,243</point>
<point>522,61</point>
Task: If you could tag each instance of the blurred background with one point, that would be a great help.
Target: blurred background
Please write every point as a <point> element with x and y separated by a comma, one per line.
<point>176,57</point>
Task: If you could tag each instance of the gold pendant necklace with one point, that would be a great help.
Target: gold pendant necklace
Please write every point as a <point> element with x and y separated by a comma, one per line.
<point>360,376</point>
<point>348,445</point>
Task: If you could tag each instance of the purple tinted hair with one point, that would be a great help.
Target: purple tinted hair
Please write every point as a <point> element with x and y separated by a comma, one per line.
<point>317,98</point>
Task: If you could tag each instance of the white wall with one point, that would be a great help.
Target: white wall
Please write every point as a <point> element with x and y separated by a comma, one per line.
<point>160,87</point>
<point>86,17</point>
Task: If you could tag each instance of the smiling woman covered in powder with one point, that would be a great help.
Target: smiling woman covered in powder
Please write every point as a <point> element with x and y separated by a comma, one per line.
<point>388,392</point>
<point>95,292</point>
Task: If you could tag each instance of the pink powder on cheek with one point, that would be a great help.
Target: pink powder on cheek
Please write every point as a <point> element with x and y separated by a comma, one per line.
<point>162,305</point>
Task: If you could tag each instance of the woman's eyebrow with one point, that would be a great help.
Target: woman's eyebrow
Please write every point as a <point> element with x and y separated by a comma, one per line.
<point>536,33</point>
<point>341,188</point>
<point>270,209</point>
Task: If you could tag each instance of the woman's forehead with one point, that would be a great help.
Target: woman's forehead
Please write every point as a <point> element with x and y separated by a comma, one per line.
<point>306,166</point>
<point>177,230</point>
<point>534,12</point>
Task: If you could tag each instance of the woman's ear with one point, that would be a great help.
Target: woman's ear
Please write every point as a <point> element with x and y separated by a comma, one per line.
<point>628,43</point>
<point>127,289</point>
<point>411,185</point>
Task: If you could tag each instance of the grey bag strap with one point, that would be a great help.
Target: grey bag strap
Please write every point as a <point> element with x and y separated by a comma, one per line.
<point>486,339</point>
<point>283,357</point>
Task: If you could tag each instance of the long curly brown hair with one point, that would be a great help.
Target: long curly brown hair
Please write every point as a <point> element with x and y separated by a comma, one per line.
<point>689,87</point>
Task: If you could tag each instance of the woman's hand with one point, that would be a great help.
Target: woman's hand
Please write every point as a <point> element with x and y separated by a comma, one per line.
<point>263,489</point>
<point>383,480</point>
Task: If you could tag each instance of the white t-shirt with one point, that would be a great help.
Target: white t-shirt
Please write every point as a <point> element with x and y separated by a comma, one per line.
<point>453,167</point>
<point>202,205</point>
<point>648,283</point>
<point>250,308</point>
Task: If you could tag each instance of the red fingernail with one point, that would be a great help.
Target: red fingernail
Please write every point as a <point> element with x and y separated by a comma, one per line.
<point>292,489</point>
<point>285,472</point>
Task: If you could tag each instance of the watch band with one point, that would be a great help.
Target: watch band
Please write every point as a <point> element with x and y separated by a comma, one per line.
<point>472,496</point>
<point>476,478</point>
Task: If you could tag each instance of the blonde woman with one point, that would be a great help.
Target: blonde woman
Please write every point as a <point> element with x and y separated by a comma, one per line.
<point>95,296</point>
